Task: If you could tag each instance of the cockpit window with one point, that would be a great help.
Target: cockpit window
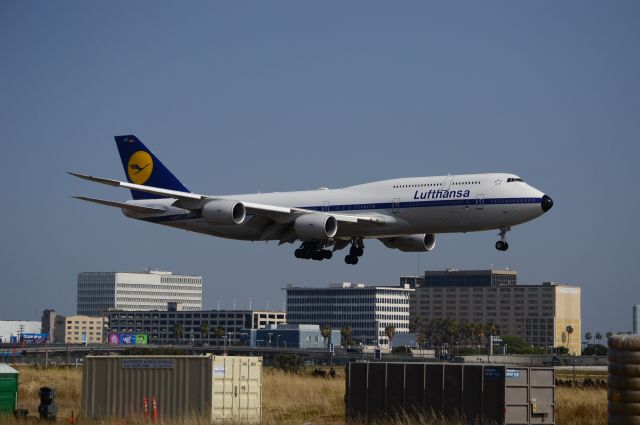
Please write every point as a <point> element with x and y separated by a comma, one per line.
<point>514,179</point>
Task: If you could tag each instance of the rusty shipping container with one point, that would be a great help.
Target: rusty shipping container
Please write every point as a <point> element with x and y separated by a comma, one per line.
<point>218,387</point>
<point>495,393</point>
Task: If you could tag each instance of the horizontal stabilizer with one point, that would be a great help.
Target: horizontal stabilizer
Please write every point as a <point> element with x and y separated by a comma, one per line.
<point>129,207</point>
<point>165,193</point>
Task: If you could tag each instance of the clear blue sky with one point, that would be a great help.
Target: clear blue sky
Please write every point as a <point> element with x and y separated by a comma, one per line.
<point>239,97</point>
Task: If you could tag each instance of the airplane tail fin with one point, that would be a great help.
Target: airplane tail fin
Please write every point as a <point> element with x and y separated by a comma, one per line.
<point>142,167</point>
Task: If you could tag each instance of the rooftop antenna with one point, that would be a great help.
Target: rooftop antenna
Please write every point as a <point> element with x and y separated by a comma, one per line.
<point>249,303</point>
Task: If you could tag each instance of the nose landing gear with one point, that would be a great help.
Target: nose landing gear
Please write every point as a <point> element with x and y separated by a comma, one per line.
<point>502,244</point>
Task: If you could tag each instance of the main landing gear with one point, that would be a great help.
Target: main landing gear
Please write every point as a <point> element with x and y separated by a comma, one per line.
<point>356,251</point>
<point>313,251</point>
<point>502,244</point>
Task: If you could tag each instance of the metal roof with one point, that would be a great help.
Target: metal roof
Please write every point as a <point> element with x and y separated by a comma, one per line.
<point>5,368</point>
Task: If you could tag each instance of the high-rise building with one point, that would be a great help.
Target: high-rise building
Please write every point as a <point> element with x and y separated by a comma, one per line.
<point>538,314</point>
<point>636,319</point>
<point>148,290</point>
<point>367,310</point>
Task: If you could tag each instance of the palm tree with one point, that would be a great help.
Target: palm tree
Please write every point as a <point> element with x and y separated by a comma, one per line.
<point>598,337</point>
<point>415,324</point>
<point>609,334</point>
<point>219,333</point>
<point>204,331</point>
<point>421,337</point>
<point>325,331</point>
<point>588,337</point>
<point>569,330</point>
<point>346,333</point>
<point>390,331</point>
<point>178,331</point>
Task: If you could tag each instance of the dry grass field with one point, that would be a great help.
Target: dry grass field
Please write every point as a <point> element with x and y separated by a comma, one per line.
<point>290,399</point>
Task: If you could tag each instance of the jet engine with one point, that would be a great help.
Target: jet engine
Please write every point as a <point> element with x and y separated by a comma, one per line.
<point>316,226</point>
<point>223,211</point>
<point>411,243</point>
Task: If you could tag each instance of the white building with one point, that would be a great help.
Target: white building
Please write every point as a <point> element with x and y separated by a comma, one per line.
<point>14,328</point>
<point>142,291</point>
<point>367,310</point>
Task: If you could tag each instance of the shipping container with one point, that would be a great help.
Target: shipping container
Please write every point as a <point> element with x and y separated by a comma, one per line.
<point>499,394</point>
<point>216,387</point>
<point>8,389</point>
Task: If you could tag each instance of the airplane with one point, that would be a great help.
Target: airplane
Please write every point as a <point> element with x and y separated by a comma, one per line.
<point>404,213</point>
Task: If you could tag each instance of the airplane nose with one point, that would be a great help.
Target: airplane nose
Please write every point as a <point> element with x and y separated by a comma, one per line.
<point>546,203</point>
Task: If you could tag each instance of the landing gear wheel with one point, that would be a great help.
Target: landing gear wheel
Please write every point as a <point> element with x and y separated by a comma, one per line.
<point>317,255</point>
<point>502,246</point>
<point>298,253</point>
<point>351,259</point>
<point>327,254</point>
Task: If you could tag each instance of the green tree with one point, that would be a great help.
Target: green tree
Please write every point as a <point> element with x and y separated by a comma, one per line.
<point>204,331</point>
<point>598,337</point>
<point>569,330</point>
<point>415,324</point>
<point>178,331</point>
<point>346,334</point>
<point>595,350</point>
<point>219,333</point>
<point>325,331</point>
<point>390,331</point>
<point>588,337</point>
<point>561,350</point>
<point>291,363</point>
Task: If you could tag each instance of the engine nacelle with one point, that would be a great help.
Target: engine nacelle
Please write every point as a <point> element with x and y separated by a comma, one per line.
<point>412,243</point>
<point>224,211</point>
<point>316,226</point>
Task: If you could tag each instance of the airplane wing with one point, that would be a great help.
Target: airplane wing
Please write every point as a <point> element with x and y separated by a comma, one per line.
<point>193,201</point>
<point>121,205</point>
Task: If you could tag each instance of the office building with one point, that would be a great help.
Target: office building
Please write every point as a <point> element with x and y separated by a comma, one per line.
<point>148,290</point>
<point>184,326</point>
<point>538,314</point>
<point>367,310</point>
<point>412,282</point>
<point>289,336</point>
<point>48,322</point>
<point>83,330</point>
<point>636,319</point>
<point>469,278</point>
<point>11,330</point>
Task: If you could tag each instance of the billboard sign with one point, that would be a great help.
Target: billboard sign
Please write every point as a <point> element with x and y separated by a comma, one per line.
<point>128,339</point>
<point>34,338</point>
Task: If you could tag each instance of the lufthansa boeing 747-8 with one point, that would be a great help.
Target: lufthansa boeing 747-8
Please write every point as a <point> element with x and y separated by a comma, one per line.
<point>404,214</point>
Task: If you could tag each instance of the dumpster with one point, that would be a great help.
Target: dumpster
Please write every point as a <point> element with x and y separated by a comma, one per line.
<point>220,388</point>
<point>8,389</point>
<point>495,393</point>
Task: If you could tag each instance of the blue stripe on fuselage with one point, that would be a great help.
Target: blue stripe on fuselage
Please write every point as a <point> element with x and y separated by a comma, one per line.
<point>379,206</point>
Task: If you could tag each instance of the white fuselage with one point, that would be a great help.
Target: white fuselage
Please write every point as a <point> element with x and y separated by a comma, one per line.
<point>439,204</point>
